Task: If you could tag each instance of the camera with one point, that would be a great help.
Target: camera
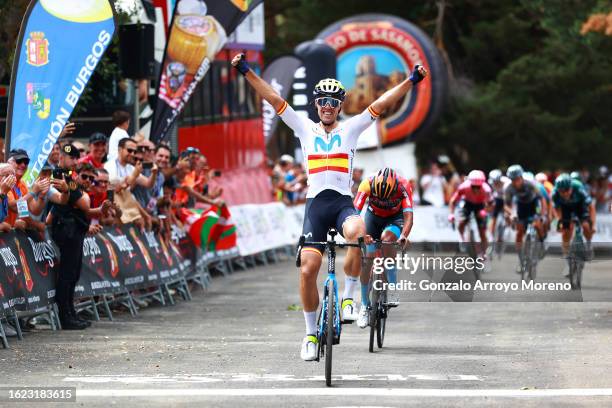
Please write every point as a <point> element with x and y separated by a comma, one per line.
<point>58,173</point>
<point>147,165</point>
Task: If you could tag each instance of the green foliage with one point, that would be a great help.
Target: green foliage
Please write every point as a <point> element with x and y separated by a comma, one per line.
<point>528,87</point>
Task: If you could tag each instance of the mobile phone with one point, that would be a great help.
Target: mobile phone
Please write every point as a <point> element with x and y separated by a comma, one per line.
<point>217,173</point>
<point>147,165</point>
<point>58,173</point>
<point>110,195</point>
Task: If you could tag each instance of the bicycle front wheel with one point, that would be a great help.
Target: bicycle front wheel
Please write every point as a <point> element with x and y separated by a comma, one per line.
<point>329,340</point>
<point>381,321</point>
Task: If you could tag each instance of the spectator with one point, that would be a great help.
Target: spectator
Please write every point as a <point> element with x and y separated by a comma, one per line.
<point>281,169</point>
<point>147,197</point>
<point>433,185</point>
<point>356,180</point>
<point>97,150</point>
<point>450,175</point>
<point>69,159</point>
<point>600,191</point>
<point>69,225</point>
<point>19,198</point>
<point>81,148</point>
<point>54,191</point>
<point>54,156</point>
<point>121,121</point>
<point>123,177</point>
<point>98,194</point>
<point>7,182</point>
<point>295,185</point>
<point>185,193</point>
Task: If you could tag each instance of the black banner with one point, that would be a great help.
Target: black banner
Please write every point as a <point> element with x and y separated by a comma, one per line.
<point>279,74</point>
<point>125,258</point>
<point>116,260</point>
<point>27,279</point>
<point>197,32</point>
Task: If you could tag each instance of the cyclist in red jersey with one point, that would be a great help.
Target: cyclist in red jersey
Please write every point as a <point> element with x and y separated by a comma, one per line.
<point>389,218</point>
<point>474,196</point>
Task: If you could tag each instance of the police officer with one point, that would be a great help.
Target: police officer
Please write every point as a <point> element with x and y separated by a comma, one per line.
<point>69,226</point>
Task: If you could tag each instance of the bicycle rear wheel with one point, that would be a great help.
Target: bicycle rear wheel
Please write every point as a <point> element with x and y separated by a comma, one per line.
<point>329,340</point>
<point>381,321</point>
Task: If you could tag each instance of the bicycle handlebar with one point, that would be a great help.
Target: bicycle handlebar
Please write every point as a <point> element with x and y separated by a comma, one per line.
<point>302,242</point>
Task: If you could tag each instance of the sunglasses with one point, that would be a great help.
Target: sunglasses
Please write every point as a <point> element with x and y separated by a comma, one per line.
<point>86,177</point>
<point>137,159</point>
<point>23,161</point>
<point>322,102</point>
<point>131,151</point>
<point>100,182</point>
<point>144,149</point>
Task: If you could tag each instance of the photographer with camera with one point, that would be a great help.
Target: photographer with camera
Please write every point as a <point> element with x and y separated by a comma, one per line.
<point>70,223</point>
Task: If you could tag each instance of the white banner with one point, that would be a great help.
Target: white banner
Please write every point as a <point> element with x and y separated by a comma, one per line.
<point>261,227</point>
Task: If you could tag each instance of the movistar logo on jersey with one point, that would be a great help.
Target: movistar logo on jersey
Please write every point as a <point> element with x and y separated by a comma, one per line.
<point>326,147</point>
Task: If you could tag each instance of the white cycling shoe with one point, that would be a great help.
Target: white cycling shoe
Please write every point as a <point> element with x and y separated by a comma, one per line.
<point>309,348</point>
<point>349,314</point>
<point>363,320</point>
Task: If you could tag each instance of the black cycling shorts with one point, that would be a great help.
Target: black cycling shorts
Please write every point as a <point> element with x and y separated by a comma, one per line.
<point>328,209</point>
<point>467,208</point>
<point>527,211</point>
<point>578,210</point>
<point>499,207</point>
<point>375,225</point>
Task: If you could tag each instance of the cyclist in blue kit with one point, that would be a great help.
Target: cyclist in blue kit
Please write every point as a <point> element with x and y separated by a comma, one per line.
<point>329,148</point>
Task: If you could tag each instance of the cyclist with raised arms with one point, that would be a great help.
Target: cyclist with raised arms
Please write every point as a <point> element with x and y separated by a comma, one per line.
<point>571,200</point>
<point>528,199</point>
<point>474,196</point>
<point>329,149</point>
<point>389,218</point>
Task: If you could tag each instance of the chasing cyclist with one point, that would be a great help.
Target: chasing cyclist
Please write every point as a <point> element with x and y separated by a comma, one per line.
<point>329,149</point>
<point>388,218</point>
<point>571,200</point>
<point>528,200</point>
<point>474,196</point>
<point>497,182</point>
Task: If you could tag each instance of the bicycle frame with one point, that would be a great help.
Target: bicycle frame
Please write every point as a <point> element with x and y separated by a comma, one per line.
<point>331,277</point>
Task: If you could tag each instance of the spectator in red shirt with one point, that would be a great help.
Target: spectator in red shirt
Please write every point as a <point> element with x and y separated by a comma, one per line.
<point>98,144</point>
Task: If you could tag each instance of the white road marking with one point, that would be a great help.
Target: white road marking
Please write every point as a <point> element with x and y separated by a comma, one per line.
<point>249,377</point>
<point>377,392</point>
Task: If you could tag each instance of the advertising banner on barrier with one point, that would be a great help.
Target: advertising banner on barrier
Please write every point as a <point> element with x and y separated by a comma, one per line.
<point>125,258</point>
<point>27,279</point>
<point>198,31</point>
<point>60,44</point>
<point>263,227</point>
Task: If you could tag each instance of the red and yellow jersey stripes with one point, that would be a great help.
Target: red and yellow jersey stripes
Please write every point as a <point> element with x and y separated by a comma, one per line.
<point>328,162</point>
<point>329,155</point>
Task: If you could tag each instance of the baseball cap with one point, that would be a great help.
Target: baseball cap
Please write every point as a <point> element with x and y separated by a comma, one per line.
<point>18,154</point>
<point>97,137</point>
<point>286,158</point>
<point>71,151</point>
<point>46,167</point>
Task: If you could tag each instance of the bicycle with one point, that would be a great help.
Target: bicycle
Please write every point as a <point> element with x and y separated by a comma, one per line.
<point>473,245</point>
<point>379,307</point>
<point>529,254</point>
<point>577,256</point>
<point>329,325</point>
<point>498,244</point>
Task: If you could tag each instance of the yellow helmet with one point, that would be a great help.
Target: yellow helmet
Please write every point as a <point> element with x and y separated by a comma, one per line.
<point>329,87</point>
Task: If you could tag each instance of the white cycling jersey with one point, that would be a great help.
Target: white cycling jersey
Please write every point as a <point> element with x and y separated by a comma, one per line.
<point>328,156</point>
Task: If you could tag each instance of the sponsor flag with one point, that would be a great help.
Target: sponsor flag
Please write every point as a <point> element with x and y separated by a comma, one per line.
<point>198,31</point>
<point>60,44</point>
